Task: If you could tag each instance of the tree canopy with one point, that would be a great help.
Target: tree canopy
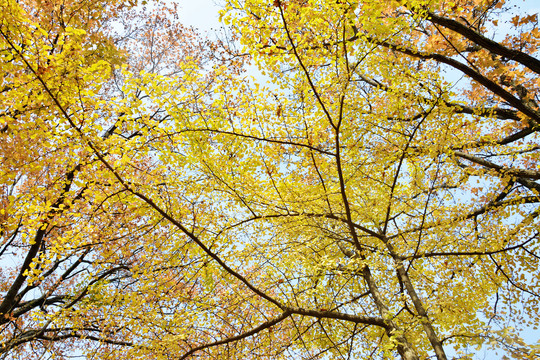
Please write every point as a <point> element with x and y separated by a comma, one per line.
<point>322,180</point>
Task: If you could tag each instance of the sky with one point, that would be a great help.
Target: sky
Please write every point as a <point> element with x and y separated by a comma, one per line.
<point>202,14</point>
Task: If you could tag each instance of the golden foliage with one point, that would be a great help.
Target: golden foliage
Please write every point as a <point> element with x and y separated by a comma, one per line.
<point>373,194</point>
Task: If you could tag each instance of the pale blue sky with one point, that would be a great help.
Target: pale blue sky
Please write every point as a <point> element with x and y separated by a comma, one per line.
<point>202,14</point>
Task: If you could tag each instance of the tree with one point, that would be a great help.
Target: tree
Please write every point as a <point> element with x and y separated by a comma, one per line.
<point>358,204</point>
<point>66,228</point>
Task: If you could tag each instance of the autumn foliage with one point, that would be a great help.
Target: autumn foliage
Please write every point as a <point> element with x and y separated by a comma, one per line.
<point>323,180</point>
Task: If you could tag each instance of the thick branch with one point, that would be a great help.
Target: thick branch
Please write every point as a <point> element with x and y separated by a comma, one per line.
<point>499,113</point>
<point>473,74</point>
<point>244,335</point>
<point>488,44</point>
<point>530,174</point>
<point>417,302</point>
<point>469,253</point>
<point>11,299</point>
